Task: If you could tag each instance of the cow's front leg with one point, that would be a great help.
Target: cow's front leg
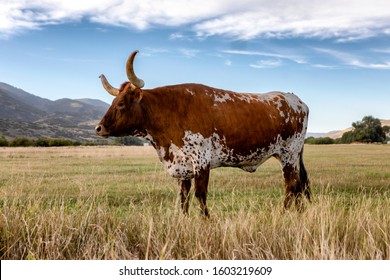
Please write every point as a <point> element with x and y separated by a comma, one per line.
<point>185,186</point>
<point>201,184</point>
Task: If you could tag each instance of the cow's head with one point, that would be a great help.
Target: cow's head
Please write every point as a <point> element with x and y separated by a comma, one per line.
<point>125,114</point>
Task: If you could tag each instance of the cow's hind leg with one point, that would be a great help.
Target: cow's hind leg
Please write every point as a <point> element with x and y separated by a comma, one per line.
<point>293,187</point>
<point>201,184</point>
<point>185,186</point>
<point>296,181</point>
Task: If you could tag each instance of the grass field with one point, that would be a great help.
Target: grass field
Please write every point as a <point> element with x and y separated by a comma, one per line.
<point>118,203</point>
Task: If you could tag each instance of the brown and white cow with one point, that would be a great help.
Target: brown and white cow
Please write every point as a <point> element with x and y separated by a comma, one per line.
<point>195,128</point>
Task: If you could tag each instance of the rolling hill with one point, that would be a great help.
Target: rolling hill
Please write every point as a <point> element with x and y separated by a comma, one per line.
<point>25,115</point>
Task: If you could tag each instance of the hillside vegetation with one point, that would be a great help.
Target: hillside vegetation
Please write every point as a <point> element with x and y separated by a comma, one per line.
<point>25,115</point>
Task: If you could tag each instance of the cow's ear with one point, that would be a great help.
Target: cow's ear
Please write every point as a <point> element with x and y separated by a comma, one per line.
<point>138,94</point>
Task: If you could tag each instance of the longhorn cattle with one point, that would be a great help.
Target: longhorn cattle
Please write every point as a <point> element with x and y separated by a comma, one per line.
<point>195,128</point>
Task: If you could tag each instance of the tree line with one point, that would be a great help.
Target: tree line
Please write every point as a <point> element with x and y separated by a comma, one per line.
<point>368,130</point>
<point>51,142</point>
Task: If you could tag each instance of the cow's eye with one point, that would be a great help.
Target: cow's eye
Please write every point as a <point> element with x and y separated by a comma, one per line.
<point>121,106</point>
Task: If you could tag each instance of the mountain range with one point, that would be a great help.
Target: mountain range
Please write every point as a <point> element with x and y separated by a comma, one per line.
<point>26,115</point>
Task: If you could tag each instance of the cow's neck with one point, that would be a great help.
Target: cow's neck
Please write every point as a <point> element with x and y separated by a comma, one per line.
<point>161,118</point>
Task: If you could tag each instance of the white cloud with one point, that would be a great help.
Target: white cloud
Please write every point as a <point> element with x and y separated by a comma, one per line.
<point>19,15</point>
<point>344,20</point>
<point>176,36</point>
<point>382,50</point>
<point>266,64</point>
<point>315,18</point>
<point>189,53</point>
<point>323,66</point>
<point>149,51</point>
<point>379,66</point>
<point>228,62</point>
<point>353,60</point>
<point>356,37</point>
<point>294,58</point>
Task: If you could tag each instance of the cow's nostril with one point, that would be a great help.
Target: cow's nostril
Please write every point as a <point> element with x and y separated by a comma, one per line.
<point>101,130</point>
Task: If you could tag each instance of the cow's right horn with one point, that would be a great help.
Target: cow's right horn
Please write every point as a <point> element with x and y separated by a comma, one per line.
<point>109,88</point>
<point>130,72</point>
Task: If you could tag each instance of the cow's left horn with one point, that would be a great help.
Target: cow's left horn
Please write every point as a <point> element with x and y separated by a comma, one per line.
<point>109,88</point>
<point>130,72</point>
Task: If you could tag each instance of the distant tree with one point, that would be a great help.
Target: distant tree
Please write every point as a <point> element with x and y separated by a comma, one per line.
<point>60,142</point>
<point>42,142</point>
<point>368,130</point>
<point>319,140</point>
<point>347,138</point>
<point>386,129</point>
<point>22,142</point>
<point>309,140</point>
<point>3,141</point>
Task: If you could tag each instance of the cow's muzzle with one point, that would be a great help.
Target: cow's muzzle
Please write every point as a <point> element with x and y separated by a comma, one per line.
<point>101,131</point>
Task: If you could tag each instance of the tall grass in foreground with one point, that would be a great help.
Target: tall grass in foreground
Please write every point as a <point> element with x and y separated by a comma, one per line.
<point>40,229</point>
<point>75,214</point>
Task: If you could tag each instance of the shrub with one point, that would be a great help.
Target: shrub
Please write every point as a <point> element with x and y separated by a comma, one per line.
<point>129,141</point>
<point>22,142</point>
<point>3,141</point>
<point>42,142</point>
<point>319,141</point>
<point>60,142</point>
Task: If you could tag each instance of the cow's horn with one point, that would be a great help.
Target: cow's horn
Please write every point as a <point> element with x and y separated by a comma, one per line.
<point>130,72</point>
<point>109,88</point>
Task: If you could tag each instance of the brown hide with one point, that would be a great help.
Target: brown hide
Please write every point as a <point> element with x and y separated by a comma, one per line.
<point>247,126</point>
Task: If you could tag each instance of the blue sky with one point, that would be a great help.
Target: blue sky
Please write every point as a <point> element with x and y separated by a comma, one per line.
<point>335,55</point>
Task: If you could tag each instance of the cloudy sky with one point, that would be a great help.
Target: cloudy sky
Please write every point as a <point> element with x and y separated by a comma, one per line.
<point>335,55</point>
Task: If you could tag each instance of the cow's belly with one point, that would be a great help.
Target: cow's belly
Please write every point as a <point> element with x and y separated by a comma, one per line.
<point>248,162</point>
<point>199,153</point>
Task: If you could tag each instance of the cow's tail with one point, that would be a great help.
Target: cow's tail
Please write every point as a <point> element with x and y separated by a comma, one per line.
<point>304,180</point>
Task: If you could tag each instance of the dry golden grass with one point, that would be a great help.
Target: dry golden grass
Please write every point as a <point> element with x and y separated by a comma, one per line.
<point>118,203</point>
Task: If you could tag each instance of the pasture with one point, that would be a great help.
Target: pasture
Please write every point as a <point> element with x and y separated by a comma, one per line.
<point>119,203</point>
